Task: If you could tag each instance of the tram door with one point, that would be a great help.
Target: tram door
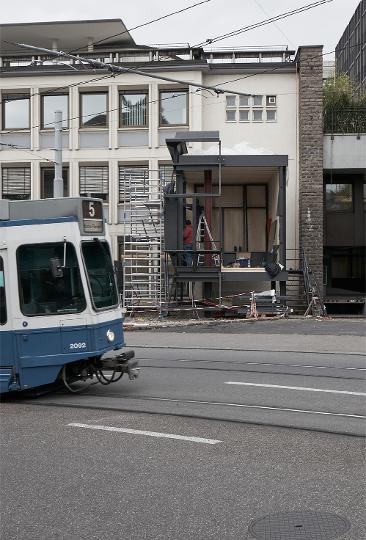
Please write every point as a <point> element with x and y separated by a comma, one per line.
<point>7,354</point>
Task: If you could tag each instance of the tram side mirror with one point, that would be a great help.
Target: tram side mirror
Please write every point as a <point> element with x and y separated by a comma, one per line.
<point>56,268</point>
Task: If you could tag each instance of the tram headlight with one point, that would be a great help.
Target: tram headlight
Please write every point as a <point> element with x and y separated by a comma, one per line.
<point>110,336</point>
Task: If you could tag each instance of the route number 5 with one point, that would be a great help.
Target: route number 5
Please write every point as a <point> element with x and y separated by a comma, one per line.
<point>91,210</point>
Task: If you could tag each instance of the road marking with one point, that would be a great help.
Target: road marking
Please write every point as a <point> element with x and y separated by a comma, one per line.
<point>148,433</point>
<point>193,401</point>
<point>298,388</point>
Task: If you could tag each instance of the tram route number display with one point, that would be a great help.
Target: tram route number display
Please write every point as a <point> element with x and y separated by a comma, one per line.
<point>92,216</point>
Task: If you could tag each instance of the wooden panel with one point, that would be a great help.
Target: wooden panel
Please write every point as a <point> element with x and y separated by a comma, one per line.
<point>256,219</point>
<point>234,229</point>
<point>231,197</point>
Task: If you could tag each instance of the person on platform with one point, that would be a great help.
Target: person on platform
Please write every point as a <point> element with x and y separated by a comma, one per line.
<point>188,242</point>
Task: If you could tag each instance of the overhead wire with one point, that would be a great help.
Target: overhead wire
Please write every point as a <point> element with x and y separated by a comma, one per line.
<point>263,23</point>
<point>265,71</point>
<point>145,24</point>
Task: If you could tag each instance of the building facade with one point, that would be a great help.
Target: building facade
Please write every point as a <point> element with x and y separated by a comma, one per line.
<point>351,48</point>
<point>117,125</point>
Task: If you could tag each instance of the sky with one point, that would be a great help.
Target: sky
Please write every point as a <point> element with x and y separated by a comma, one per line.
<point>322,25</point>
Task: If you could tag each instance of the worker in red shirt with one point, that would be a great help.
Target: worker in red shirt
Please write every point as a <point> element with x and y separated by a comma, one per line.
<point>188,242</point>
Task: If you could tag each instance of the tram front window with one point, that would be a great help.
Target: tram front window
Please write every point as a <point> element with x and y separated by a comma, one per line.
<point>100,272</point>
<point>42,290</point>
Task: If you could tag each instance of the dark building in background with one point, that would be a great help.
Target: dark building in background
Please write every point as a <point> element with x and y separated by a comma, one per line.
<point>350,52</point>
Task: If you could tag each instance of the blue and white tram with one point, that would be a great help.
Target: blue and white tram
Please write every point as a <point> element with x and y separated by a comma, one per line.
<point>60,315</point>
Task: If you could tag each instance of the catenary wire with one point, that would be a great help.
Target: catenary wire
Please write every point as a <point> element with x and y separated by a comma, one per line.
<point>263,23</point>
<point>146,23</point>
<point>270,70</point>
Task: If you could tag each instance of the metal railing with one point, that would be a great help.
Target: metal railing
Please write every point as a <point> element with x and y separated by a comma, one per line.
<point>352,120</point>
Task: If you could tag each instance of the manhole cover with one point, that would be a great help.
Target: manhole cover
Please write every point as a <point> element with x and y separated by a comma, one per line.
<point>299,525</point>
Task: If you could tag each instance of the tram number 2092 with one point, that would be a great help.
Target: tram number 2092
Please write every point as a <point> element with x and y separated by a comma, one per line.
<point>80,345</point>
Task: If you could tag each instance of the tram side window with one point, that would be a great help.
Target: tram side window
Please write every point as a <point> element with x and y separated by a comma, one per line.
<point>3,317</point>
<point>100,273</point>
<point>47,286</point>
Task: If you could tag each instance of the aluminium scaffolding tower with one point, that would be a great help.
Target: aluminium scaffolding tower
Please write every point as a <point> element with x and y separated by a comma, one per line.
<point>141,193</point>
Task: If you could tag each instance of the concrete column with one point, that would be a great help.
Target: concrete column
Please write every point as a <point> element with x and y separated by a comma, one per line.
<point>113,191</point>
<point>113,116</point>
<point>74,178</point>
<point>35,117</point>
<point>154,116</point>
<point>310,72</point>
<point>35,180</point>
<point>74,121</point>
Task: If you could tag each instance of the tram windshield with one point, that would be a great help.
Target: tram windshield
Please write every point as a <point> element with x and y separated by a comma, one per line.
<point>100,273</point>
<point>49,279</point>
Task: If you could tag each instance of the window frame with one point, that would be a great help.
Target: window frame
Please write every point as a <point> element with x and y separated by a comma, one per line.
<point>53,314</point>
<point>133,93</point>
<point>81,121</point>
<point>65,171</point>
<point>174,91</point>
<point>94,194</point>
<point>29,195</point>
<point>5,99</point>
<point>48,126</point>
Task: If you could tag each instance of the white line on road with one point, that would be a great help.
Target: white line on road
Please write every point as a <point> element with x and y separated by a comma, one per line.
<point>298,388</point>
<point>148,433</point>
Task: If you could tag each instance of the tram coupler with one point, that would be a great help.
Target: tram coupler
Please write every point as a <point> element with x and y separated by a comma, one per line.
<point>122,362</point>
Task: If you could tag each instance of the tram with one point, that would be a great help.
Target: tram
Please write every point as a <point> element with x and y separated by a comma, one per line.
<point>60,315</point>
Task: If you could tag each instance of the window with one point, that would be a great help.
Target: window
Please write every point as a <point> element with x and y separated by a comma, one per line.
<point>16,183</point>
<point>230,101</point>
<point>271,115</point>
<point>270,101</point>
<point>338,197</point>
<point>257,101</point>
<point>244,115</point>
<point>230,116</point>
<point>47,183</point>
<point>133,181</point>
<point>49,279</point>
<point>251,108</point>
<point>94,181</point>
<point>3,316</point>
<point>257,115</point>
<point>53,103</point>
<point>16,111</point>
<point>100,273</point>
<point>93,109</point>
<point>173,108</point>
<point>243,101</point>
<point>133,109</point>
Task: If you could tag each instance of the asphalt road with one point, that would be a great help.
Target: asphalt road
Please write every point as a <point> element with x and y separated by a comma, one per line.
<point>219,429</point>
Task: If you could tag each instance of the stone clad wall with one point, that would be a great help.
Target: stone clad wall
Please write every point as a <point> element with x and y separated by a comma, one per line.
<point>310,72</point>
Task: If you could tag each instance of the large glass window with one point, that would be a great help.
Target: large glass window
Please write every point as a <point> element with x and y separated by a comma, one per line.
<point>100,272</point>
<point>47,183</point>
<point>15,111</point>
<point>94,181</point>
<point>3,317</point>
<point>338,197</point>
<point>53,103</point>
<point>49,279</point>
<point>16,183</point>
<point>93,109</point>
<point>173,108</point>
<point>133,109</point>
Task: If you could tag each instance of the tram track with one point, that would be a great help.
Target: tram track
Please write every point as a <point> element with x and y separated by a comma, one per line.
<point>234,349</point>
<point>144,403</point>
<point>296,367</point>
